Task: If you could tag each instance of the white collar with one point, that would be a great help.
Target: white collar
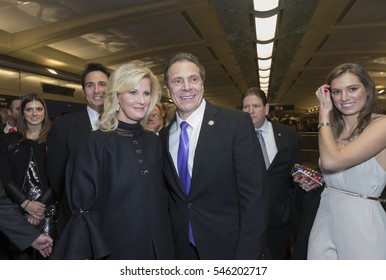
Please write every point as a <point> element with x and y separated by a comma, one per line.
<point>195,119</point>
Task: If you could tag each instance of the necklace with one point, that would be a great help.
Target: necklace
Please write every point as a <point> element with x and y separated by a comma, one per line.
<point>343,142</point>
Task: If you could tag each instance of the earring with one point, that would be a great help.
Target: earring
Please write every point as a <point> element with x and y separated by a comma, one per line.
<point>118,107</point>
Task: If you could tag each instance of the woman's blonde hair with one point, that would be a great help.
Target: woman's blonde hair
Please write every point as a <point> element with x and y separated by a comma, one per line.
<point>125,78</point>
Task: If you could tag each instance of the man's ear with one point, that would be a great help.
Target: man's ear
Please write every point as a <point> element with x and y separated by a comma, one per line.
<point>266,108</point>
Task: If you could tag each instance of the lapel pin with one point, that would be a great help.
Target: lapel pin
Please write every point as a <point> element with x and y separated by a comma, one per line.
<point>211,122</point>
<point>279,134</point>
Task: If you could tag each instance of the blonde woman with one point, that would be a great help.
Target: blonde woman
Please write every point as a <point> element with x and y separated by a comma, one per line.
<point>117,194</point>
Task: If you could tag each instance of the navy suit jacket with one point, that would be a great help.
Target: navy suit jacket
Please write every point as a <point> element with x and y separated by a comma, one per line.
<point>227,203</point>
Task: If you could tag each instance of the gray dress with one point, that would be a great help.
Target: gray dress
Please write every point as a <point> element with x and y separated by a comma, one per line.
<point>346,226</point>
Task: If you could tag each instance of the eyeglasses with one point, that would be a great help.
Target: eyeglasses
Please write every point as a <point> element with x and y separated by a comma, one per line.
<point>154,116</point>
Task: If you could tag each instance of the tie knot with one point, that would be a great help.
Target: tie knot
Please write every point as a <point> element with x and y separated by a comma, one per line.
<point>259,132</point>
<point>184,125</point>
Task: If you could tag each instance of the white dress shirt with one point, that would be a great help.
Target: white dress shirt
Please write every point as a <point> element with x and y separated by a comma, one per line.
<point>7,127</point>
<point>194,121</point>
<point>94,117</point>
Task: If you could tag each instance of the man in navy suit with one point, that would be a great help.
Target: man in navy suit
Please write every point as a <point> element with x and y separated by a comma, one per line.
<point>67,132</point>
<point>224,215</point>
<point>283,152</point>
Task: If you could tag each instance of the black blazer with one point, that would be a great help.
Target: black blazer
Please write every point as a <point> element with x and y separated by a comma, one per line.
<point>226,204</point>
<point>66,136</point>
<point>280,182</point>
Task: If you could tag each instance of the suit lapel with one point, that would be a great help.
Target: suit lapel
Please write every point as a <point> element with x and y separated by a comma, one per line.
<point>279,139</point>
<point>209,122</point>
<point>83,122</point>
<point>171,168</point>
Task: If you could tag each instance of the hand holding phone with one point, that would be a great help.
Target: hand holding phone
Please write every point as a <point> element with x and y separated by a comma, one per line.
<point>307,178</point>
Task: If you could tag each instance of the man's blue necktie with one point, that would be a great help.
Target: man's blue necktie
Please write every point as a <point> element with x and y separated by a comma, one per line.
<point>182,165</point>
<point>183,157</point>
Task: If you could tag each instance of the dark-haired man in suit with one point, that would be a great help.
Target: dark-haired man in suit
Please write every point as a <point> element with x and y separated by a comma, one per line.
<point>282,151</point>
<point>13,107</point>
<point>218,204</point>
<point>67,132</point>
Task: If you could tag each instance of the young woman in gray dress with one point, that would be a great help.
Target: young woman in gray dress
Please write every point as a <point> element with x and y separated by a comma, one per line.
<point>350,222</point>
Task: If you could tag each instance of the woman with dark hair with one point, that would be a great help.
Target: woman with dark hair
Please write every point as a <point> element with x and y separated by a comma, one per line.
<point>23,166</point>
<point>350,222</point>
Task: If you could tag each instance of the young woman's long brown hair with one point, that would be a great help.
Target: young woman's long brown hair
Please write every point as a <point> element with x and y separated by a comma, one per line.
<point>366,113</point>
<point>22,124</point>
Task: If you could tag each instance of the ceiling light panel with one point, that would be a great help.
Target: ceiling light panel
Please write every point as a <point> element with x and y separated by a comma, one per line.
<point>265,5</point>
<point>264,50</point>
<point>264,64</point>
<point>265,28</point>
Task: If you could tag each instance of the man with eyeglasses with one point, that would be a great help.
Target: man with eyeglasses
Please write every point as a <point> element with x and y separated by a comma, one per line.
<point>155,121</point>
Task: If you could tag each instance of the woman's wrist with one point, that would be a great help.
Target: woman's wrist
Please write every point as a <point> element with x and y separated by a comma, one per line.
<point>321,124</point>
<point>26,204</point>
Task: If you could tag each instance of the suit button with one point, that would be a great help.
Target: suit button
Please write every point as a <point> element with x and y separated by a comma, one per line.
<point>189,205</point>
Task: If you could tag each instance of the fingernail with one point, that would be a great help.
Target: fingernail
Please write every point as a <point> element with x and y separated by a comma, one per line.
<point>325,90</point>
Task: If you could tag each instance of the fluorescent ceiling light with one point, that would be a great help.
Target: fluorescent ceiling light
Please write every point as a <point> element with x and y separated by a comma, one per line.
<point>265,5</point>
<point>52,71</point>
<point>264,64</point>
<point>265,28</point>
<point>264,50</point>
<point>264,73</point>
